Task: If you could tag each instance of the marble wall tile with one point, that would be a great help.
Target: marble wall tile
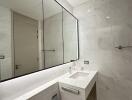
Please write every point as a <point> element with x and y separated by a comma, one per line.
<point>105,24</point>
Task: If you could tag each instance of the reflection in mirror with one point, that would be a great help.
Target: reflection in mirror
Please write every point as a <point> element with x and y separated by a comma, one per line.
<point>70,37</point>
<point>20,37</point>
<point>53,44</point>
<point>35,35</point>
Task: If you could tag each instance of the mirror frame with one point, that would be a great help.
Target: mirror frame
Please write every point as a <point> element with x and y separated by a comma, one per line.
<point>78,44</point>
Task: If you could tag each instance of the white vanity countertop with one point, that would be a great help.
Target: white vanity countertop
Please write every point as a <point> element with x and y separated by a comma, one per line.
<point>42,87</point>
<point>64,78</point>
<point>35,91</point>
<point>78,82</point>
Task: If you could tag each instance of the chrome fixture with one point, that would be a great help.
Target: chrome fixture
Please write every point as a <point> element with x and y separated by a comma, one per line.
<point>49,50</point>
<point>74,91</point>
<point>2,57</point>
<point>123,47</point>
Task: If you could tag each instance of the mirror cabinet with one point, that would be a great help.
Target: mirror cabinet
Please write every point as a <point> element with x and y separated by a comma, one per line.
<point>35,35</point>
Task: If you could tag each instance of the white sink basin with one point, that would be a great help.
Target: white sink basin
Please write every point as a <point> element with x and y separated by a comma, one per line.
<point>77,86</point>
<point>79,75</point>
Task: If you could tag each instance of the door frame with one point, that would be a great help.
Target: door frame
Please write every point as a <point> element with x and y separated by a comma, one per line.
<point>13,48</point>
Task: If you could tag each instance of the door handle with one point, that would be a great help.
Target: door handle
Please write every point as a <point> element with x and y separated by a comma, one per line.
<point>2,57</point>
<point>17,66</point>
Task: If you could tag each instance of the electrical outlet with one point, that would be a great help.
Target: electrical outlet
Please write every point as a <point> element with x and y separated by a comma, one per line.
<point>86,62</point>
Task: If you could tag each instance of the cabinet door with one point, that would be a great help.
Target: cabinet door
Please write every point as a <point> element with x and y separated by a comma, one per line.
<point>51,93</point>
<point>69,94</point>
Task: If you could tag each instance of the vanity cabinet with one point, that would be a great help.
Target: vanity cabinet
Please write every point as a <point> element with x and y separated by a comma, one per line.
<point>93,94</point>
<point>78,86</point>
<point>71,93</point>
<point>51,93</point>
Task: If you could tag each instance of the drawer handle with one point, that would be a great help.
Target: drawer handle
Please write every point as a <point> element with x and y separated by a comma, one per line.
<point>74,91</point>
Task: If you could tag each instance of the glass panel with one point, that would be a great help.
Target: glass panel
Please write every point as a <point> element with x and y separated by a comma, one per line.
<point>70,37</point>
<point>35,35</point>
<point>20,37</point>
<point>53,44</point>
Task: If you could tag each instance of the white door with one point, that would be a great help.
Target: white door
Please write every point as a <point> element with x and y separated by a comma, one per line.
<point>25,44</point>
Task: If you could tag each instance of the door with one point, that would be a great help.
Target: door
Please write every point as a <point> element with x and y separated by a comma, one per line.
<point>25,44</point>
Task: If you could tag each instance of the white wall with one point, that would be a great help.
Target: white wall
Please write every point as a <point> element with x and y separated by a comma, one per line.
<point>98,38</point>
<point>5,43</point>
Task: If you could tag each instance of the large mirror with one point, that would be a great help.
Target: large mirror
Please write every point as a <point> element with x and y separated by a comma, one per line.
<point>70,34</point>
<point>20,28</point>
<point>35,35</point>
<point>53,43</point>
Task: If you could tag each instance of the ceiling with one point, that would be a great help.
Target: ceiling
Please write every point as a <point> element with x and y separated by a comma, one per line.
<point>32,8</point>
<point>75,3</point>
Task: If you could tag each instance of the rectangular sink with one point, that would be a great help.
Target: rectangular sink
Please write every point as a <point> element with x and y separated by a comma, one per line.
<point>77,85</point>
<point>79,75</point>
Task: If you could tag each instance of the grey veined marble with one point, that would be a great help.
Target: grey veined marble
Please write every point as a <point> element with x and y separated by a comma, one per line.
<point>105,24</point>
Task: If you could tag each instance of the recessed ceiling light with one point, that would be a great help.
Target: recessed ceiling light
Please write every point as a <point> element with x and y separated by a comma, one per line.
<point>89,10</point>
<point>108,17</point>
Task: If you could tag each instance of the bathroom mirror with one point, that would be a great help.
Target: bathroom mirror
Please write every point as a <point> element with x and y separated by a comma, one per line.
<point>20,27</point>
<point>35,35</point>
<point>70,25</point>
<point>53,43</point>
